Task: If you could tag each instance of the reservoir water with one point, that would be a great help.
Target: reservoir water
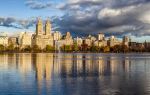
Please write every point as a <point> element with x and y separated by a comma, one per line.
<point>74,74</point>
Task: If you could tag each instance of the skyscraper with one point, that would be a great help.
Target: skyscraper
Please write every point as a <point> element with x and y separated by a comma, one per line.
<point>39,27</point>
<point>101,36</point>
<point>42,38</point>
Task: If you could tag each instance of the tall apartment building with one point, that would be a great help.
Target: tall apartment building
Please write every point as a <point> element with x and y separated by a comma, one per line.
<point>3,39</point>
<point>25,40</point>
<point>43,37</point>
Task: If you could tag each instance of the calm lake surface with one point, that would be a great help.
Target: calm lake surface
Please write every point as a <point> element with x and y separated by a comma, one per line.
<point>74,74</point>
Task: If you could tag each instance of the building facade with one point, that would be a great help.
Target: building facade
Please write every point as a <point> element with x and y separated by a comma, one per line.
<point>101,36</point>
<point>126,41</point>
<point>25,40</point>
<point>4,40</point>
<point>113,41</point>
<point>42,38</point>
<point>57,36</point>
<point>78,41</point>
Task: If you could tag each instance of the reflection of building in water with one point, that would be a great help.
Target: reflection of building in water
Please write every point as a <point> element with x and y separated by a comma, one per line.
<point>102,64</point>
<point>57,63</point>
<point>88,63</point>
<point>78,62</point>
<point>91,65</point>
<point>25,65</point>
<point>82,65</point>
<point>67,63</point>
<point>117,65</point>
<point>114,64</point>
<point>12,60</point>
<point>44,69</point>
<point>3,61</point>
<point>44,66</point>
<point>126,64</point>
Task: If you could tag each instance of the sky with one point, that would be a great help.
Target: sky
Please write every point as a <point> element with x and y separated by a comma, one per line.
<point>80,17</point>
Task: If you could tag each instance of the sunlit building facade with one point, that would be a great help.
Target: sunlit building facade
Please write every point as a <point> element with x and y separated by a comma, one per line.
<point>42,38</point>
<point>78,41</point>
<point>113,41</point>
<point>25,40</point>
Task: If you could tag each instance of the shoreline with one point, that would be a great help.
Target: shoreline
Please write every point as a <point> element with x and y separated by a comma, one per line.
<point>79,52</point>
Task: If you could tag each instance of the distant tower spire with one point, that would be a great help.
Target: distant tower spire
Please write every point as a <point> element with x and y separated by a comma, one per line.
<point>48,27</point>
<point>39,27</point>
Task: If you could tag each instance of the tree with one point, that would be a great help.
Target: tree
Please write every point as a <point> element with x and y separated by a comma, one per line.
<point>84,47</point>
<point>49,48</point>
<point>10,47</point>
<point>66,48</point>
<point>75,47</point>
<point>125,48</point>
<point>106,49</point>
<point>94,48</point>
<point>27,49</point>
<point>36,48</point>
<point>117,48</point>
<point>2,48</point>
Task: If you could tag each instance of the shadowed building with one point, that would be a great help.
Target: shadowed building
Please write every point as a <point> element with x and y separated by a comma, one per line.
<point>126,41</point>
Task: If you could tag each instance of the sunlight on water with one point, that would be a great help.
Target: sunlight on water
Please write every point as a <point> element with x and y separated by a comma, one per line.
<point>74,74</point>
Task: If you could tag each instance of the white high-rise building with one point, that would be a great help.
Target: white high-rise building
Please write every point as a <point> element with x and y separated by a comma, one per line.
<point>113,41</point>
<point>78,41</point>
<point>42,38</point>
<point>3,39</point>
<point>57,36</point>
<point>101,36</point>
<point>25,40</point>
<point>126,40</point>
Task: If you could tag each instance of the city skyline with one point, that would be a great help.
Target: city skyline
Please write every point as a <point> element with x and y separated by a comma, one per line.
<point>80,17</point>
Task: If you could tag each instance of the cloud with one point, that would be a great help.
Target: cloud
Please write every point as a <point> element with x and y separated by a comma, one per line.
<point>112,17</point>
<point>83,17</point>
<point>34,4</point>
<point>16,23</point>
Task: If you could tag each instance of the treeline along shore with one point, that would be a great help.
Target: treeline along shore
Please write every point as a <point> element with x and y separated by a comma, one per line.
<point>74,48</point>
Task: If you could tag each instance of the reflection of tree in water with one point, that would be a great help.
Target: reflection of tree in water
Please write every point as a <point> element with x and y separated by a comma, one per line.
<point>85,74</point>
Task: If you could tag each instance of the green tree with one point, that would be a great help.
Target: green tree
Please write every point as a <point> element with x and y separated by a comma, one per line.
<point>49,48</point>
<point>75,47</point>
<point>67,48</point>
<point>94,48</point>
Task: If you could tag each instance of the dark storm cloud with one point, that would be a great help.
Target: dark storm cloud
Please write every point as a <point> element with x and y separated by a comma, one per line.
<point>112,17</point>
<point>16,23</point>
